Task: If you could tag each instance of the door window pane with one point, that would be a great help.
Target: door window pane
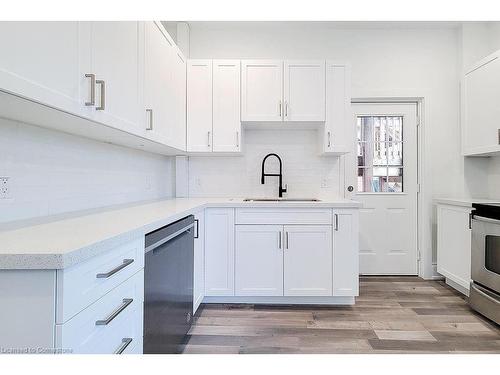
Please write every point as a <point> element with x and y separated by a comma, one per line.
<point>380,154</point>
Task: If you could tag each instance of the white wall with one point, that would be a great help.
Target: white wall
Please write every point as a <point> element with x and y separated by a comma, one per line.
<point>303,170</point>
<point>53,173</point>
<point>387,61</point>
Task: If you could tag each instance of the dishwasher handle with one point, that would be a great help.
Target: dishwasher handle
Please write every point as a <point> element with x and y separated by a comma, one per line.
<point>164,240</point>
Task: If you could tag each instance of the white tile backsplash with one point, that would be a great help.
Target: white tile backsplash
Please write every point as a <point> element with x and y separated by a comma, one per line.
<point>53,173</point>
<point>303,168</point>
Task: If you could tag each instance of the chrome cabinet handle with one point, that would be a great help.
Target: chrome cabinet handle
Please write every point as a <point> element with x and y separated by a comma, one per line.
<point>279,105</point>
<point>279,240</point>
<point>115,313</point>
<point>286,240</point>
<point>101,83</point>
<point>125,263</point>
<point>237,139</point>
<point>329,139</point>
<point>286,109</point>
<point>92,89</point>
<point>149,111</point>
<point>197,233</point>
<point>336,217</point>
<point>125,342</point>
<point>208,139</point>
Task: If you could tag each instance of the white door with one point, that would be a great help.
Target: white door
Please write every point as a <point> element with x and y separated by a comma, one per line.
<point>259,260</point>
<point>158,85</point>
<point>345,252</point>
<point>41,61</point>
<point>307,260</point>
<point>115,61</point>
<point>179,99</point>
<point>199,260</point>
<point>219,252</point>
<point>262,90</point>
<point>199,105</point>
<point>226,106</point>
<point>304,90</point>
<point>383,174</point>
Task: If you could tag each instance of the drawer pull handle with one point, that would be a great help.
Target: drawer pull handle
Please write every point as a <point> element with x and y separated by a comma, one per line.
<point>125,342</point>
<point>125,263</point>
<point>114,314</point>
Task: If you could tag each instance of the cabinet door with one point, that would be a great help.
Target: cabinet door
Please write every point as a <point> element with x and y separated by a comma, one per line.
<point>480,91</point>
<point>179,78</point>
<point>308,260</point>
<point>338,136</point>
<point>345,253</point>
<point>261,90</point>
<point>158,81</point>
<point>304,92</point>
<point>199,260</point>
<point>259,260</point>
<point>226,106</point>
<point>219,252</point>
<point>42,61</point>
<point>454,244</point>
<point>116,61</point>
<point>199,105</point>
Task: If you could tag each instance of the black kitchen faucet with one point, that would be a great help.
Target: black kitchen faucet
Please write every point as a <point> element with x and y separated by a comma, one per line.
<point>280,175</point>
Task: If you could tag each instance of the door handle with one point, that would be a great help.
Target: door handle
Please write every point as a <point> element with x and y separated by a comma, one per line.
<point>279,240</point>
<point>102,105</point>
<point>114,314</point>
<point>197,233</point>
<point>125,263</point>
<point>92,89</point>
<point>279,106</point>
<point>329,139</point>
<point>237,139</point>
<point>208,139</point>
<point>286,240</point>
<point>336,220</point>
<point>125,342</point>
<point>149,111</point>
<point>286,109</point>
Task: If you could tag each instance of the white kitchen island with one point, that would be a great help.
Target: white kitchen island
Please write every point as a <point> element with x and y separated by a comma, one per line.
<point>284,252</point>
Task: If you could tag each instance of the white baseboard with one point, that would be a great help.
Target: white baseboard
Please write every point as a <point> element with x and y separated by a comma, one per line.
<point>283,300</point>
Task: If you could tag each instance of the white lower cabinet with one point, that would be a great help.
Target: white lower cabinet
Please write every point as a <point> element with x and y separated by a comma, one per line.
<point>307,260</point>
<point>259,260</point>
<point>199,260</point>
<point>219,252</point>
<point>345,252</point>
<point>454,245</point>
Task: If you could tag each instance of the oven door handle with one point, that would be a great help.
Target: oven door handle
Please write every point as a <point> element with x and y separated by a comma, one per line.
<point>486,219</point>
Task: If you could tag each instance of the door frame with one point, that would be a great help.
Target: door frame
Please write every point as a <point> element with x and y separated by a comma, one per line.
<point>422,257</point>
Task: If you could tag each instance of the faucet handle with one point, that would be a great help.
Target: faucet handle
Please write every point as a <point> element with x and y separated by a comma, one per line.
<point>285,188</point>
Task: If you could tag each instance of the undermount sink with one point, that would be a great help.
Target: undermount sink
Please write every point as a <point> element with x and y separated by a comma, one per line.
<point>281,200</point>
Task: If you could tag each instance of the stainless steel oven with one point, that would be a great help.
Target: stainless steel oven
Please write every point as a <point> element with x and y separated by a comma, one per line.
<point>485,264</point>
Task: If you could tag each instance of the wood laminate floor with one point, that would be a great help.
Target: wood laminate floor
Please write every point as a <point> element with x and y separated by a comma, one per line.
<point>391,315</point>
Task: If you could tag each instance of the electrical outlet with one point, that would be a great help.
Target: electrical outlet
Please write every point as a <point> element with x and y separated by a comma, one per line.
<point>4,187</point>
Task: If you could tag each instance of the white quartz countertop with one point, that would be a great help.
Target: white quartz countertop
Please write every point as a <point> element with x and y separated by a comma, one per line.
<point>61,243</point>
<point>463,202</point>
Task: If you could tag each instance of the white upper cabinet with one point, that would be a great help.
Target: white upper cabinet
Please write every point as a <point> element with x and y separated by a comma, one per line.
<point>199,105</point>
<point>158,81</point>
<point>480,109</point>
<point>117,65</point>
<point>226,106</point>
<point>307,260</point>
<point>338,135</point>
<point>304,90</point>
<point>42,61</point>
<point>262,90</point>
<point>259,260</point>
<point>179,99</point>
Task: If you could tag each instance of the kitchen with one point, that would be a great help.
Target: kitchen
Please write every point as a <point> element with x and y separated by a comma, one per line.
<point>249,187</point>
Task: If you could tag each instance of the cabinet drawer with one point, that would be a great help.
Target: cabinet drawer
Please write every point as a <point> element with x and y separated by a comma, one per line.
<point>83,284</point>
<point>88,333</point>
<point>283,216</point>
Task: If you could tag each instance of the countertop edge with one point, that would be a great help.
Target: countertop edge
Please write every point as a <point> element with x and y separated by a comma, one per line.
<point>59,260</point>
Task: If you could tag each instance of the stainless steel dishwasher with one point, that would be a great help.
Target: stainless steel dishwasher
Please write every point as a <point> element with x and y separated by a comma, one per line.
<point>168,286</point>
